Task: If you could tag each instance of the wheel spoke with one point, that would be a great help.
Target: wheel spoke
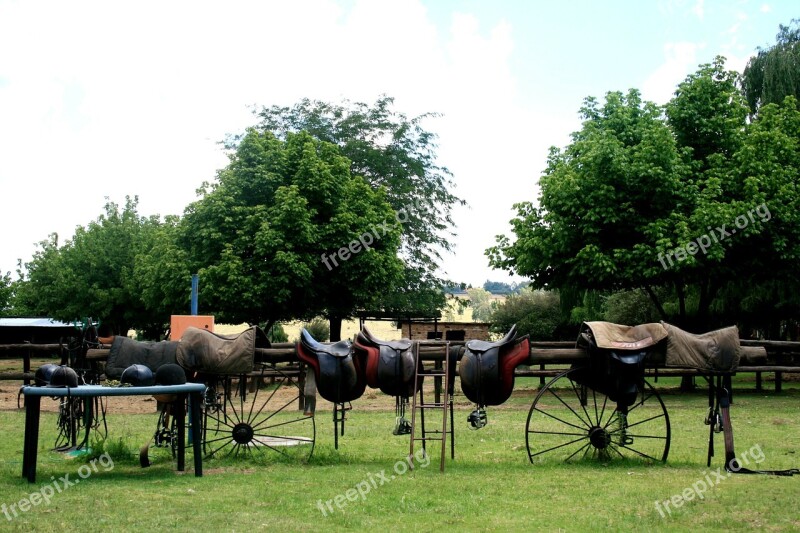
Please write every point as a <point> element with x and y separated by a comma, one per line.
<point>570,408</point>
<point>562,421</point>
<point>580,402</point>
<point>557,433</point>
<point>585,447</point>
<point>559,446</point>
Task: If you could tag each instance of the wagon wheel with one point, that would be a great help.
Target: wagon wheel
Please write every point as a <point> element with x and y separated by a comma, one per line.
<point>263,423</point>
<point>568,421</point>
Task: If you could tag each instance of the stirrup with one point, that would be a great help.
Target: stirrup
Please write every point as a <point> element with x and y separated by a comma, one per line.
<point>401,427</point>
<point>477,418</point>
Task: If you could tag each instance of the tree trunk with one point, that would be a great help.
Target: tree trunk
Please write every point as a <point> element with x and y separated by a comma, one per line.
<point>336,328</point>
<point>656,302</point>
<point>681,304</point>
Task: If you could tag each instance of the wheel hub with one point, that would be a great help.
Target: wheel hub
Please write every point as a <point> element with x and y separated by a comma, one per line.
<point>599,437</point>
<point>242,433</point>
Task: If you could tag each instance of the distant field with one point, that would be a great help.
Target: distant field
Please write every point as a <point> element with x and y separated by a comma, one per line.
<point>382,329</point>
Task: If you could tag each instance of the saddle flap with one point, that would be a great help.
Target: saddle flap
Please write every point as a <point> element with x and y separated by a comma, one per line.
<point>478,346</point>
<point>366,337</point>
<point>342,348</point>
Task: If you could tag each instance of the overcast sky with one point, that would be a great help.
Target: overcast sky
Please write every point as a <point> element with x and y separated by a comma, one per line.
<point>115,98</point>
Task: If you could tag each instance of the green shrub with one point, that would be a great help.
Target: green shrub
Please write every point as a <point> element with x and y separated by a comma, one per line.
<point>319,329</point>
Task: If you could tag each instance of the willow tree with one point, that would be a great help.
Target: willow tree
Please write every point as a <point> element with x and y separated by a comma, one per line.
<point>774,72</point>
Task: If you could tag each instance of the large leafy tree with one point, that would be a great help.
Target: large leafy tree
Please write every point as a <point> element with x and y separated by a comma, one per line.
<point>629,202</point>
<point>287,232</point>
<point>91,275</point>
<point>774,72</point>
<point>768,168</point>
<point>609,203</point>
<point>396,153</point>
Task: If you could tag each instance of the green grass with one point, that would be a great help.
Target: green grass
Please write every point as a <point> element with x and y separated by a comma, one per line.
<point>489,486</point>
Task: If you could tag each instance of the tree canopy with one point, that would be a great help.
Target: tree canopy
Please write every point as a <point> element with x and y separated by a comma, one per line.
<point>774,72</point>
<point>397,154</point>
<point>6,293</point>
<point>287,232</point>
<point>91,275</point>
<point>690,205</point>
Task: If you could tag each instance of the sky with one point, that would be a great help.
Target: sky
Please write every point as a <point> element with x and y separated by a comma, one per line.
<point>103,100</point>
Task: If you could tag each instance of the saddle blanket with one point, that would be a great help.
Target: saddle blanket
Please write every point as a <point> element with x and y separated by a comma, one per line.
<point>204,351</point>
<point>125,352</point>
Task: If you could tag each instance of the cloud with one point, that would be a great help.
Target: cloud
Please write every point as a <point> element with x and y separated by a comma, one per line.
<point>680,58</point>
<point>112,99</point>
<point>698,10</point>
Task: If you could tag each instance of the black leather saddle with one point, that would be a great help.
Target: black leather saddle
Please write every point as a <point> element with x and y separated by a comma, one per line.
<point>617,358</point>
<point>389,364</point>
<point>338,370</point>
<point>487,368</point>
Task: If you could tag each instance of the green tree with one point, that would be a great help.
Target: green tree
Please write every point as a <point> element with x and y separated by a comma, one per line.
<point>762,291</point>
<point>536,313</point>
<point>6,293</point>
<point>498,287</point>
<point>480,300</point>
<point>396,153</point>
<point>609,204</point>
<point>92,273</point>
<point>637,202</point>
<point>774,72</point>
<point>287,232</point>
<point>629,307</point>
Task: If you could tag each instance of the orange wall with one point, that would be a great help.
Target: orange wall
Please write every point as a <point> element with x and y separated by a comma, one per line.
<point>179,323</point>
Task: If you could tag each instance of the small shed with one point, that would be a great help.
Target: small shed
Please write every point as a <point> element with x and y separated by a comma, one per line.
<point>35,330</point>
<point>439,330</point>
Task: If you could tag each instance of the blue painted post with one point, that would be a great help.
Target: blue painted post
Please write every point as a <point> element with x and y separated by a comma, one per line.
<point>195,283</point>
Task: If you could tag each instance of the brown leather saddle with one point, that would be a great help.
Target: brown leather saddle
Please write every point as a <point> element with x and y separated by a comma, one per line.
<point>391,367</point>
<point>339,371</point>
<point>487,371</point>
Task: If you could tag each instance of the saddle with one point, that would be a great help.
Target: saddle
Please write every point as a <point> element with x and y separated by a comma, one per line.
<point>339,372</point>
<point>390,365</point>
<point>617,357</point>
<point>487,368</point>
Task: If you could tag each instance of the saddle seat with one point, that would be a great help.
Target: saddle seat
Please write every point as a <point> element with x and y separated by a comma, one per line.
<point>487,368</point>
<point>390,365</point>
<point>339,372</point>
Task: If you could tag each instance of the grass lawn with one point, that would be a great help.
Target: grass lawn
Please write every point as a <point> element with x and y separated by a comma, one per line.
<point>490,485</point>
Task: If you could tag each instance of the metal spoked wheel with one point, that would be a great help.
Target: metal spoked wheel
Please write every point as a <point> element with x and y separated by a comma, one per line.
<point>262,423</point>
<point>568,421</point>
